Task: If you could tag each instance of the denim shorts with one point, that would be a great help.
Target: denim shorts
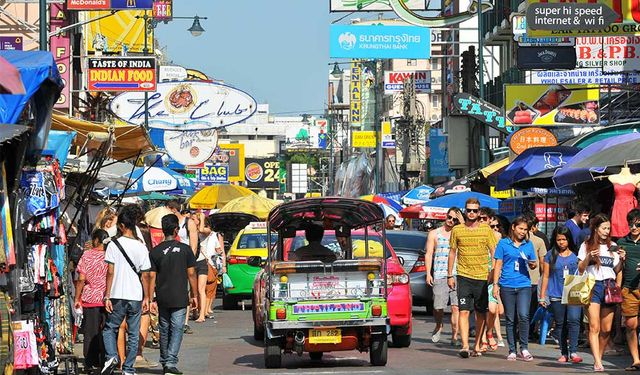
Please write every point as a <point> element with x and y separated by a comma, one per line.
<point>597,293</point>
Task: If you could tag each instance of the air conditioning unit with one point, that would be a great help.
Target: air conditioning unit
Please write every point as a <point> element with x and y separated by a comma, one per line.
<point>435,117</point>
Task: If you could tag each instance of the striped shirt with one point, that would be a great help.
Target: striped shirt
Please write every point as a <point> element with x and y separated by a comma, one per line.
<point>441,256</point>
<point>473,246</point>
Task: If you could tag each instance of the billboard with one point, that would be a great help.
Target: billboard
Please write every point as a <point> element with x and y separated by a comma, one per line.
<point>307,136</point>
<point>610,53</point>
<point>355,94</point>
<point>552,105</point>
<point>122,74</point>
<point>187,105</point>
<point>439,158</point>
<point>384,42</point>
<point>586,76</point>
<point>120,31</point>
<point>262,173</point>
<point>519,28</point>
<point>11,43</point>
<point>527,138</point>
<point>546,58</point>
<point>627,23</point>
<point>231,156</point>
<point>60,47</point>
<point>109,4</point>
<point>363,139</point>
<point>394,81</point>
<point>163,10</point>
<point>372,5</point>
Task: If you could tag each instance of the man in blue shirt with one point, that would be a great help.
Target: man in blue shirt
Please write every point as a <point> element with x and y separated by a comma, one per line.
<point>578,221</point>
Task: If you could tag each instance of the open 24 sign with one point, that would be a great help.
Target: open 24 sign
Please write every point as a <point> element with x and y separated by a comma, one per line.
<point>214,173</point>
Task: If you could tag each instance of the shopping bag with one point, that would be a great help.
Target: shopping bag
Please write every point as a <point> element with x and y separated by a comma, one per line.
<point>577,289</point>
<point>226,281</point>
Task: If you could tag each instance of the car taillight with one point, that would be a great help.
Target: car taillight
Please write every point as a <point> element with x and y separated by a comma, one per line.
<point>397,278</point>
<point>419,266</point>
<point>237,260</point>
<point>281,314</point>
<point>376,310</point>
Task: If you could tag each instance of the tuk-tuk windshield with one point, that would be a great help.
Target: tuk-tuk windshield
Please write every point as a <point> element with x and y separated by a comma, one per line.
<point>255,240</point>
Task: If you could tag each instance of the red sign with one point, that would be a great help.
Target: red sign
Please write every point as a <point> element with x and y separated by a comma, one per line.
<point>400,77</point>
<point>163,10</point>
<point>88,4</point>
<point>60,46</point>
<point>551,215</point>
<point>122,74</point>
<point>526,138</point>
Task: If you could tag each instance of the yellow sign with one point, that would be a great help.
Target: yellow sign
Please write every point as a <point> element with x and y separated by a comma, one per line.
<point>112,33</point>
<point>552,105</point>
<point>363,139</point>
<point>355,91</point>
<point>234,155</point>
<point>501,194</point>
<point>628,22</point>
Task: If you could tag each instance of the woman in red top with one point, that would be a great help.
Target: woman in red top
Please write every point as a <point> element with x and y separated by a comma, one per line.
<point>90,289</point>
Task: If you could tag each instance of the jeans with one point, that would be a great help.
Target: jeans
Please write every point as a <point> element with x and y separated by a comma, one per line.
<point>171,331</point>
<point>132,311</point>
<point>516,300</point>
<point>567,318</point>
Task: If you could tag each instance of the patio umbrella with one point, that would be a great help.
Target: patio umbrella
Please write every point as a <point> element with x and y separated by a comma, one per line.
<point>418,195</point>
<point>377,198</point>
<point>602,157</point>
<point>148,179</point>
<point>388,210</point>
<point>217,196</point>
<point>155,196</point>
<point>154,217</point>
<point>437,208</point>
<point>460,185</point>
<point>422,211</point>
<point>533,162</point>
<point>10,80</point>
<point>250,204</point>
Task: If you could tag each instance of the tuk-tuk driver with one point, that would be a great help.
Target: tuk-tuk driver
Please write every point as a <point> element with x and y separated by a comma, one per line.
<point>314,250</point>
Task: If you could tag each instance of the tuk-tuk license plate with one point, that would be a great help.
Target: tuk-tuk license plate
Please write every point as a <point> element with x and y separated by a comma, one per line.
<point>325,336</point>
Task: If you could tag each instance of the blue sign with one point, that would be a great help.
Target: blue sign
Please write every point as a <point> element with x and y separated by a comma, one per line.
<point>384,42</point>
<point>214,174</point>
<point>439,160</point>
<point>131,4</point>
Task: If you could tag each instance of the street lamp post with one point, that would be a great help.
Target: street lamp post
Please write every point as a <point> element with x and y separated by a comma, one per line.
<point>43,25</point>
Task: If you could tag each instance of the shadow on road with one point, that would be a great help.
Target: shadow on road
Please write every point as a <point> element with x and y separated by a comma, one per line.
<point>250,340</point>
<point>293,361</point>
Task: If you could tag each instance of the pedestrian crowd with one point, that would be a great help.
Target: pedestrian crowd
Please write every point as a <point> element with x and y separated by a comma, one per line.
<point>126,286</point>
<point>478,262</point>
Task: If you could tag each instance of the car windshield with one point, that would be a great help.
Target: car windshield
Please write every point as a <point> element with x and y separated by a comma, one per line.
<point>357,244</point>
<point>407,242</point>
<point>255,240</point>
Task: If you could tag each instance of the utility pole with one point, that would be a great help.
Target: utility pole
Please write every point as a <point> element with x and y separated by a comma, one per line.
<point>379,92</point>
<point>483,130</point>
<point>43,25</point>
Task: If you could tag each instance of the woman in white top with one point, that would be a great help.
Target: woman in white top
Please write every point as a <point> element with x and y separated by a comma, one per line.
<point>212,250</point>
<point>600,257</point>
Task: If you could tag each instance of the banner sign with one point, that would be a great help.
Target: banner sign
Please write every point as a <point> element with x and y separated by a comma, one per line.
<point>552,105</point>
<point>394,81</point>
<point>214,173</point>
<point>306,136</point>
<point>550,212</point>
<point>233,155</point>
<point>188,105</point>
<point>122,74</point>
<point>546,58</point>
<point>569,16</point>
<point>439,159</point>
<point>385,42</point>
<point>611,53</point>
<point>519,27</point>
<point>190,147</point>
<point>355,94</point>
<point>481,110</point>
<point>371,5</point>
<point>527,138</point>
<point>262,173</point>
<point>363,139</point>
<point>109,4</point>
<point>171,73</point>
<point>587,76</point>
<point>119,32</point>
<point>60,46</point>
<point>627,22</point>
<point>11,43</point>
<point>163,10</point>
<point>388,135</point>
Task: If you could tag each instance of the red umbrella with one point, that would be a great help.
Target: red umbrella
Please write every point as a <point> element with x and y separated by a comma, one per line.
<point>420,211</point>
<point>10,80</point>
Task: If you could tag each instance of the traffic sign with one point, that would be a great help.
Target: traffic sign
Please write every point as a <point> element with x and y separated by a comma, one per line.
<point>569,16</point>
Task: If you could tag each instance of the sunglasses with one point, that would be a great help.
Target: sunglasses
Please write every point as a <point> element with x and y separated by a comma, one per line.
<point>494,226</point>
<point>449,217</point>
<point>472,210</point>
<point>636,225</point>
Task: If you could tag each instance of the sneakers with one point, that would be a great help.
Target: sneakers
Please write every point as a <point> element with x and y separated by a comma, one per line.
<point>109,366</point>
<point>187,329</point>
<point>562,359</point>
<point>511,357</point>
<point>171,371</point>
<point>501,344</point>
<point>436,336</point>
<point>575,358</point>
<point>142,362</point>
<point>526,356</point>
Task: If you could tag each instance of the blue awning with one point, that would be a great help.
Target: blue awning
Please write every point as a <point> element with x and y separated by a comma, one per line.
<point>58,145</point>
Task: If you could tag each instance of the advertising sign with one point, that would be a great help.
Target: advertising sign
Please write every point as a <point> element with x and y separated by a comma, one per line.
<point>171,73</point>
<point>546,58</point>
<point>569,16</point>
<point>371,5</point>
<point>385,42</point>
<point>355,94</point>
<point>163,10</point>
<point>11,43</point>
<point>60,46</point>
<point>627,22</point>
<point>394,81</point>
<point>118,32</point>
<point>611,53</point>
<point>480,110</point>
<point>190,147</point>
<point>552,105</point>
<point>526,138</point>
<point>388,135</point>
<point>299,178</point>
<point>122,74</point>
<point>307,136</point>
<point>439,159</point>
<point>519,27</point>
<point>233,156</point>
<point>109,4</point>
<point>551,212</point>
<point>363,139</point>
<point>262,173</point>
<point>501,194</point>
<point>585,76</point>
<point>186,106</point>
<point>214,173</point>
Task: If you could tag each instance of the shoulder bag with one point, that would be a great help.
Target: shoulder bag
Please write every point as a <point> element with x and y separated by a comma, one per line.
<point>124,253</point>
<point>612,293</point>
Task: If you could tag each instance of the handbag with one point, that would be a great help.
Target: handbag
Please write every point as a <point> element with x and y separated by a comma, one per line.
<point>577,289</point>
<point>612,293</point>
<point>226,281</point>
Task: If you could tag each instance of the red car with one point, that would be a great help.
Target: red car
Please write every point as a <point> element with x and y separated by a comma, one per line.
<point>399,300</point>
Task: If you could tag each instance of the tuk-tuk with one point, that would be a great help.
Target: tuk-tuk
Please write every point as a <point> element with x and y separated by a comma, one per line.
<point>317,306</point>
<point>228,224</point>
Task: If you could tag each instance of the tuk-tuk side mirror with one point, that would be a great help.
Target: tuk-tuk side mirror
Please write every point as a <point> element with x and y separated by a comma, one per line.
<point>254,261</point>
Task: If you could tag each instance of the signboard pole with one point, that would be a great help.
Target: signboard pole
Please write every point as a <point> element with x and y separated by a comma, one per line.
<point>483,144</point>
<point>145,52</point>
<point>43,25</point>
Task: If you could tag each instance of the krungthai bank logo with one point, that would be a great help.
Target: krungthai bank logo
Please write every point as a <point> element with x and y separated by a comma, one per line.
<point>347,41</point>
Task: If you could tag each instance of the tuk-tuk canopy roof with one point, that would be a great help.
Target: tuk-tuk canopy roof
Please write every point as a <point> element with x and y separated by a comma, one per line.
<point>332,212</point>
<point>223,222</point>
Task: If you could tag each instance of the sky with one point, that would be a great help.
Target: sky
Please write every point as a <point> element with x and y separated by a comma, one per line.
<point>276,50</point>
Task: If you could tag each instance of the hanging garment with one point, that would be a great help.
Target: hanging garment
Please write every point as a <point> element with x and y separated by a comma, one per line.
<point>625,201</point>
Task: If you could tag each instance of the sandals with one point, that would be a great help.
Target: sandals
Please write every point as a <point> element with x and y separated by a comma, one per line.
<point>492,347</point>
<point>598,368</point>
<point>526,356</point>
<point>484,346</point>
<point>476,353</point>
<point>464,353</point>
<point>633,367</point>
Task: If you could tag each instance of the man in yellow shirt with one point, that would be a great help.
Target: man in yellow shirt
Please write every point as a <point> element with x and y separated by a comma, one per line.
<point>471,245</point>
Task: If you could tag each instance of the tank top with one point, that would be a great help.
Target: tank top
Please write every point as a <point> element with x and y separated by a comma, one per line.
<point>183,232</point>
<point>441,256</point>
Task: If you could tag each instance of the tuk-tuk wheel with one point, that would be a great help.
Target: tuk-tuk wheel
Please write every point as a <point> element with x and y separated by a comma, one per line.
<point>272,354</point>
<point>316,356</point>
<point>378,351</point>
<point>258,334</point>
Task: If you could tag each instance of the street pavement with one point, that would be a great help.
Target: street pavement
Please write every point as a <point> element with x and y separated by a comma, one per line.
<point>226,346</point>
